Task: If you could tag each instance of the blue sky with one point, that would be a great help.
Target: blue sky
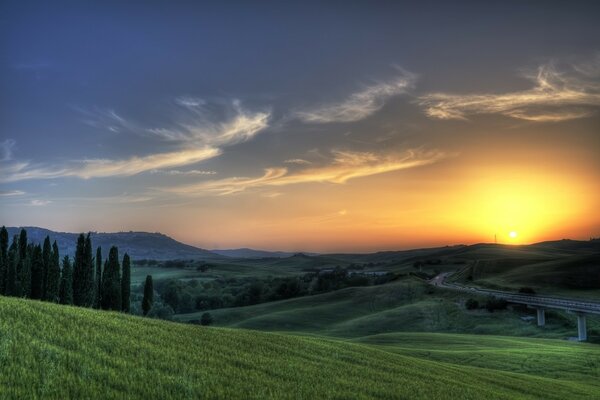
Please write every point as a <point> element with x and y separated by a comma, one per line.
<point>226,123</point>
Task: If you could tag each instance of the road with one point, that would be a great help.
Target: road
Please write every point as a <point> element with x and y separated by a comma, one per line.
<point>573,305</point>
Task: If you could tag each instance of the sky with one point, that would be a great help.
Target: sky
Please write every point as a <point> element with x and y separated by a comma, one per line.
<point>329,126</point>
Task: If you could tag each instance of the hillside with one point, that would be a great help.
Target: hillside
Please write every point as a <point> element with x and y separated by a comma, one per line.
<point>56,351</point>
<point>139,245</point>
<point>406,305</point>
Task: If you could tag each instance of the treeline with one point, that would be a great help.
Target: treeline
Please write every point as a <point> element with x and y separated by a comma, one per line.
<point>185,296</point>
<point>33,271</point>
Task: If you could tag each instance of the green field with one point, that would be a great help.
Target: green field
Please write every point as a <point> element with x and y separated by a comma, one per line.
<point>406,305</point>
<point>51,351</point>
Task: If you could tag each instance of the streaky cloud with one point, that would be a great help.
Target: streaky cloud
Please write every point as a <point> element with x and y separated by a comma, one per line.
<point>9,193</point>
<point>557,96</point>
<point>199,126</point>
<point>98,168</point>
<point>346,165</point>
<point>197,141</point>
<point>361,104</point>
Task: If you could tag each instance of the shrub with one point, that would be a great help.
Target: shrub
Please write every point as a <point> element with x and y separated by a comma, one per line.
<point>471,304</point>
<point>206,319</point>
<point>526,290</point>
<point>495,304</point>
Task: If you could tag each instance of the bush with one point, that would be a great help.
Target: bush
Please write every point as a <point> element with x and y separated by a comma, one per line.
<point>527,290</point>
<point>206,319</point>
<point>495,304</point>
<point>472,304</point>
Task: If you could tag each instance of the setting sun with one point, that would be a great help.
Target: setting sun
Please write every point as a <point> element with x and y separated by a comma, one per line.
<point>513,234</point>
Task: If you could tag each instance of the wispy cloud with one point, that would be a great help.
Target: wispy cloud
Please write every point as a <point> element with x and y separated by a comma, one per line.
<point>6,149</point>
<point>299,161</point>
<point>198,139</point>
<point>199,125</point>
<point>346,165</point>
<point>176,172</point>
<point>361,104</point>
<point>8,193</point>
<point>39,203</point>
<point>98,168</point>
<point>558,95</point>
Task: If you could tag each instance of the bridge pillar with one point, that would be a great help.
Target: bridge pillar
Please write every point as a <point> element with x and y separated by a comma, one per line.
<point>541,317</point>
<point>581,328</point>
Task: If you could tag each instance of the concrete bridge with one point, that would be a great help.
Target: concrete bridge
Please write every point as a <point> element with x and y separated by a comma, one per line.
<point>540,303</point>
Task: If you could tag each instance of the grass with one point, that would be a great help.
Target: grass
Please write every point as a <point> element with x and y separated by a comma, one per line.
<point>557,359</point>
<point>407,305</point>
<point>51,351</point>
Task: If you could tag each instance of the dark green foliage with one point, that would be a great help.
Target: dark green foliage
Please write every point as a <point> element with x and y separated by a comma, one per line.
<point>66,283</point>
<point>111,282</point>
<point>25,273</point>
<point>88,258</point>
<point>471,304</point>
<point>206,319</point>
<point>527,290</point>
<point>11,273</point>
<point>98,282</point>
<point>3,258</point>
<point>126,284</point>
<point>494,304</point>
<point>53,275</point>
<point>148,295</point>
<point>23,244</point>
<point>46,254</point>
<point>83,273</point>
<point>78,272</point>
<point>37,273</point>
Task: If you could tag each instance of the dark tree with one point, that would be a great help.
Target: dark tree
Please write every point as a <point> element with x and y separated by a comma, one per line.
<point>3,258</point>
<point>148,295</point>
<point>66,283</point>
<point>53,276</point>
<point>23,244</point>
<point>11,272</point>
<point>98,283</point>
<point>46,255</point>
<point>37,271</point>
<point>88,268</point>
<point>25,274</point>
<point>111,282</point>
<point>78,272</point>
<point>206,319</point>
<point>126,284</point>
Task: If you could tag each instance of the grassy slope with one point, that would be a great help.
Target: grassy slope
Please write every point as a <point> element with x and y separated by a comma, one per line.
<point>55,351</point>
<point>400,306</point>
<point>550,358</point>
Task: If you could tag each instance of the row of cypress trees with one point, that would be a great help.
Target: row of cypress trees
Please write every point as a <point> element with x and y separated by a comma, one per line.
<point>33,271</point>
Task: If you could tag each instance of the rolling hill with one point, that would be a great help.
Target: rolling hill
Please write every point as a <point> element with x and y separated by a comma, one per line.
<point>139,245</point>
<point>52,351</point>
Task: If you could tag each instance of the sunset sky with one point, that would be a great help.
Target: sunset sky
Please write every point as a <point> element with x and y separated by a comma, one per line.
<point>352,126</point>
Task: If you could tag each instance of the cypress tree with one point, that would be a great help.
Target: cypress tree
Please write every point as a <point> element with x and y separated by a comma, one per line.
<point>148,295</point>
<point>111,282</point>
<point>78,272</point>
<point>98,283</point>
<point>11,273</point>
<point>88,268</point>
<point>46,255</point>
<point>66,283</point>
<point>37,269</point>
<point>126,284</point>
<point>3,258</point>
<point>25,274</point>
<point>23,244</point>
<point>53,277</point>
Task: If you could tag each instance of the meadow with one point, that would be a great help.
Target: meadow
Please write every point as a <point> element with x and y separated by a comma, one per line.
<point>83,353</point>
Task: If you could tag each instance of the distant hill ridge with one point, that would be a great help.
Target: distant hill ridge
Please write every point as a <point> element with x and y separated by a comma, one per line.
<point>139,245</point>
